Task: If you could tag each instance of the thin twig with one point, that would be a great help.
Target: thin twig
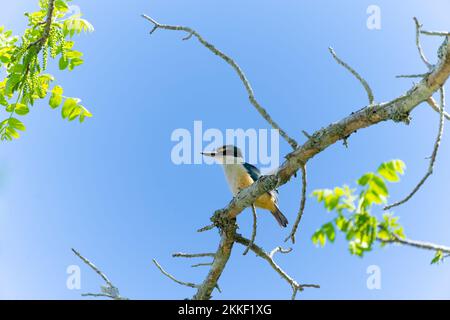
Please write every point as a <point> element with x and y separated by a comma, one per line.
<point>93,267</point>
<point>171,277</point>
<point>419,75</point>
<point>202,264</point>
<point>96,295</point>
<point>192,255</point>
<point>280,250</point>
<point>110,290</point>
<point>419,47</point>
<point>356,74</point>
<point>436,33</point>
<point>192,33</point>
<point>306,134</point>
<point>206,228</point>
<point>302,207</point>
<point>252,239</point>
<point>435,106</point>
<point>433,155</point>
<point>417,244</point>
<point>269,258</point>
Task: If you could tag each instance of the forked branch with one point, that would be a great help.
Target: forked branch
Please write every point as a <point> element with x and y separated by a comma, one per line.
<point>108,291</point>
<point>269,257</point>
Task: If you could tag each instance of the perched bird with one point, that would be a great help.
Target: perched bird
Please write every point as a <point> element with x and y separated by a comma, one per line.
<point>241,174</point>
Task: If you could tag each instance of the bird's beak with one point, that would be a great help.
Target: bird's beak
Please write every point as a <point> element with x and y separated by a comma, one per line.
<point>208,154</point>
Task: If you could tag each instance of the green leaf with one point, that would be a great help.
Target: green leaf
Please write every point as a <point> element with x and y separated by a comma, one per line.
<point>3,100</point>
<point>364,180</point>
<point>329,231</point>
<point>11,132</point>
<point>56,97</point>
<point>319,238</point>
<point>21,109</point>
<point>16,124</point>
<point>390,170</point>
<point>379,186</point>
<point>61,5</point>
<point>438,257</point>
<point>63,63</point>
<point>74,113</point>
<point>399,166</point>
<point>68,107</point>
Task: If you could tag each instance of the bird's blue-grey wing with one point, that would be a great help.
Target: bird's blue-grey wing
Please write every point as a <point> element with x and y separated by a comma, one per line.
<point>255,174</point>
<point>252,171</point>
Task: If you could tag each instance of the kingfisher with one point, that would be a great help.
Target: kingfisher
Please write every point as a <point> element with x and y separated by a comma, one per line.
<point>240,175</point>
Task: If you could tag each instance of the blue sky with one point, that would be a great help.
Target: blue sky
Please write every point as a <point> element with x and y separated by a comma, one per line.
<point>109,188</point>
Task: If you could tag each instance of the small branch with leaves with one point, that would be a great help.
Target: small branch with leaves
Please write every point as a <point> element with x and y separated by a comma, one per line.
<point>25,64</point>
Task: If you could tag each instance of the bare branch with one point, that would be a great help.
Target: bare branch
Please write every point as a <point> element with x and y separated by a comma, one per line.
<point>206,228</point>
<point>306,134</point>
<point>202,264</point>
<point>436,33</point>
<point>302,207</point>
<point>227,229</point>
<point>110,290</point>
<point>269,258</point>
<point>356,74</point>
<point>417,244</point>
<point>433,155</point>
<point>192,255</point>
<point>419,75</point>
<point>280,250</point>
<point>419,47</point>
<point>262,111</point>
<point>252,240</point>
<point>435,106</point>
<point>171,277</point>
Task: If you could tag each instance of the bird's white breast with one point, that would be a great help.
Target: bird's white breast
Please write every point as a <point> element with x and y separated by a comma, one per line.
<point>237,177</point>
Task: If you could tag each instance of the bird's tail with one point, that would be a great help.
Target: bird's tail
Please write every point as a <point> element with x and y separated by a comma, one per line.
<point>281,219</point>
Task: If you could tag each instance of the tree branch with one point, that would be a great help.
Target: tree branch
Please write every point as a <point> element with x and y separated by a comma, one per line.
<point>262,111</point>
<point>227,229</point>
<point>171,277</point>
<point>356,74</point>
<point>435,106</point>
<point>269,258</point>
<point>252,240</point>
<point>192,255</point>
<point>433,155</point>
<point>48,24</point>
<point>419,47</point>
<point>302,207</point>
<point>110,290</point>
<point>419,75</point>
<point>436,33</point>
<point>417,244</point>
<point>201,264</point>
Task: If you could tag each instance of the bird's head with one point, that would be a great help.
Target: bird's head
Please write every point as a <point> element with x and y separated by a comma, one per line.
<point>227,154</point>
